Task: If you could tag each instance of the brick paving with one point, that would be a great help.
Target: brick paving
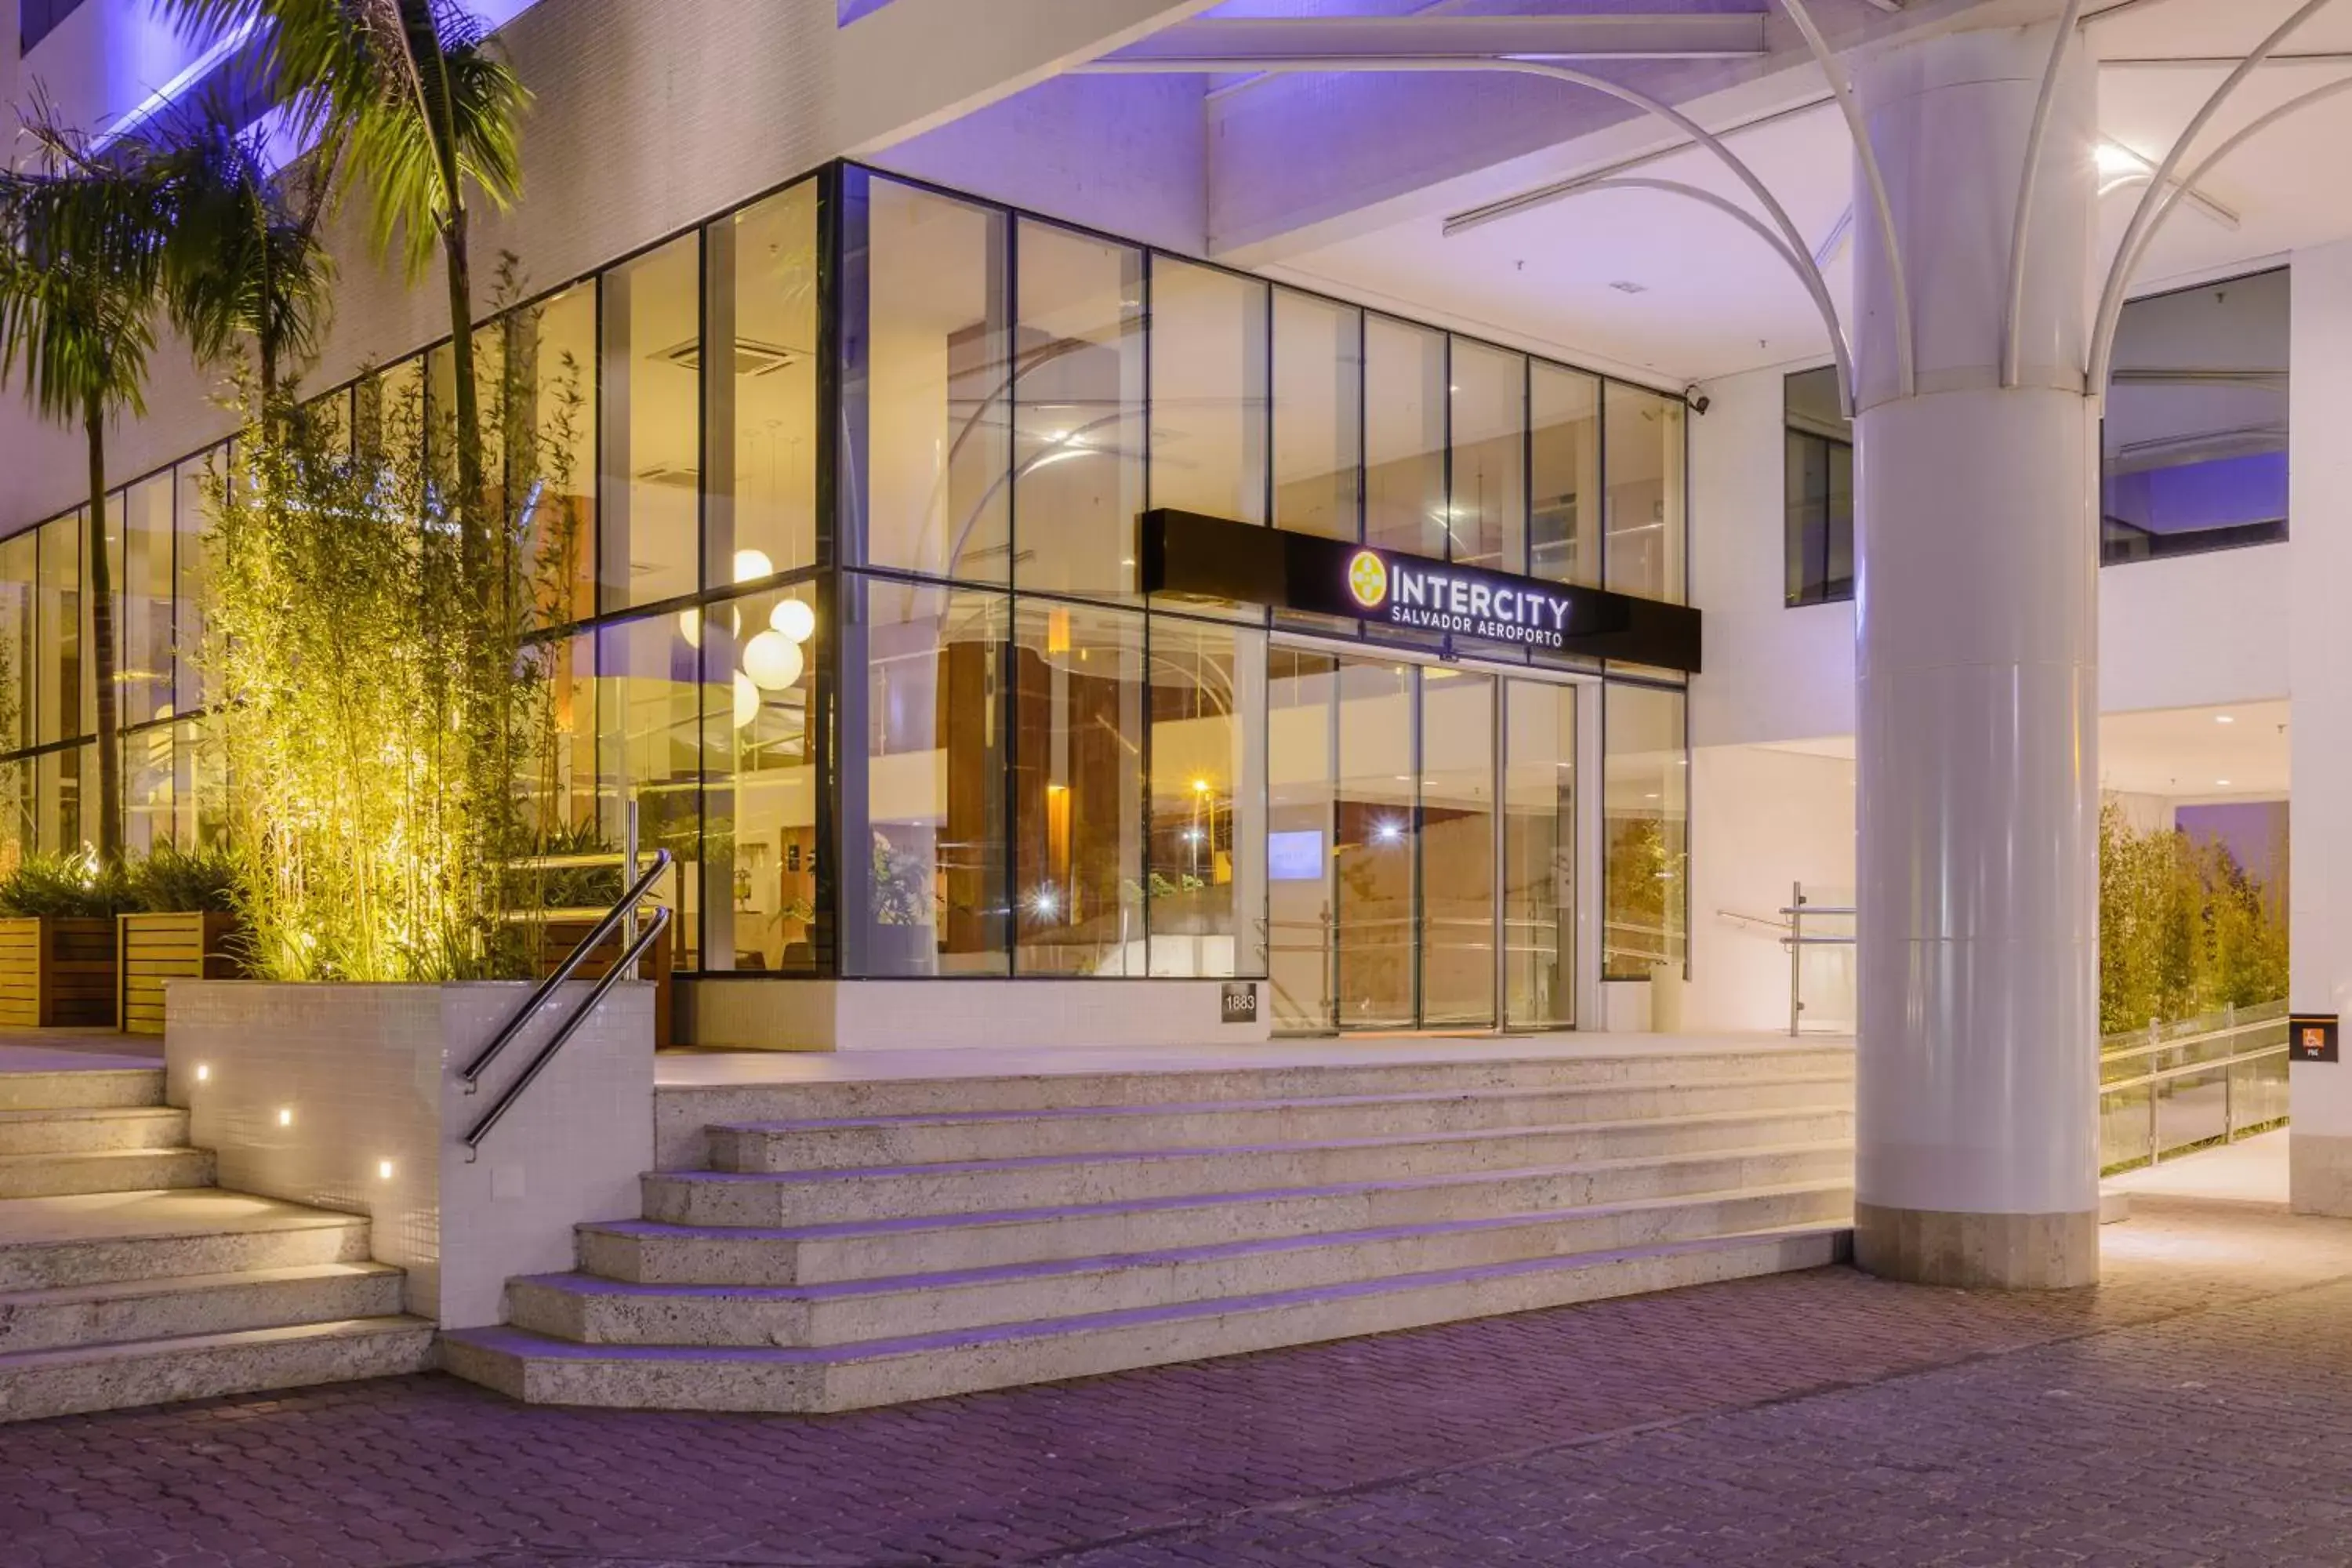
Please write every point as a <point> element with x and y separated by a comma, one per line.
<point>2192,1409</point>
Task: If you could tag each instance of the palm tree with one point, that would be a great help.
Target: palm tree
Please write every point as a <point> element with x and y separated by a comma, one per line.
<point>427,112</point>
<point>80,263</point>
<point>243,268</point>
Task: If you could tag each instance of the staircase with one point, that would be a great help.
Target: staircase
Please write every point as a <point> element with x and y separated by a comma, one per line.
<point>862,1243</point>
<point>127,1278</point>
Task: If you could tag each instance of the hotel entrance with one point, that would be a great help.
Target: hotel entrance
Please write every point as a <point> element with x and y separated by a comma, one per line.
<point>1421,844</point>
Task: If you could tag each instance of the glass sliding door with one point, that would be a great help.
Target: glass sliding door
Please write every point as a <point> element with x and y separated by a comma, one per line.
<point>1377,858</point>
<point>1420,846</point>
<point>1457,849</point>
<point>1538,855</point>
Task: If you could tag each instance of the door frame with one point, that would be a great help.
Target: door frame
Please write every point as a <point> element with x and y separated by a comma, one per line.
<point>1586,924</point>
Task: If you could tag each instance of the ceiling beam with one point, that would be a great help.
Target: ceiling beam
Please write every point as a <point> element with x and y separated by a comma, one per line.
<point>1623,38</point>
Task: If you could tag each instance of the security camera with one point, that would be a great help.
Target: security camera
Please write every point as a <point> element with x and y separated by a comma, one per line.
<point>1696,399</point>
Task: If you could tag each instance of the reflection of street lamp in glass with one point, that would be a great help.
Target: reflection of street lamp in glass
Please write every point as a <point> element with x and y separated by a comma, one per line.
<point>1201,801</point>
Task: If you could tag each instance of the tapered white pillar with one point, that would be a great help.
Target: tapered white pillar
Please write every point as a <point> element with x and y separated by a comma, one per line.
<point>1978,692</point>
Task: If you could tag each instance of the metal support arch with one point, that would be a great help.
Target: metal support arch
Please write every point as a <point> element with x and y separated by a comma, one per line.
<point>1815,284</point>
<point>2127,261</point>
<point>1805,267</point>
<point>2111,300</point>
<point>2013,308</point>
<point>1906,371</point>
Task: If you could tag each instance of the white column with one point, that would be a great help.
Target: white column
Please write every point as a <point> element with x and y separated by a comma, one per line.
<point>1978,691</point>
<point>2319,730</point>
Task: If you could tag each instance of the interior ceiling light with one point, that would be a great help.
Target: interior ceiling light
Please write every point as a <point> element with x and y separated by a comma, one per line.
<point>2224,719</point>
<point>794,619</point>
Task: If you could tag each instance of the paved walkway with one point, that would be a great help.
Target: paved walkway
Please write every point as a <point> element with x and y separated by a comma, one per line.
<point>2192,1409</point>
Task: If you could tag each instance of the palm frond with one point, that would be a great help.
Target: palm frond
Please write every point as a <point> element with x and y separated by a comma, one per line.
<point>243,262</point>
<point>81,241</point>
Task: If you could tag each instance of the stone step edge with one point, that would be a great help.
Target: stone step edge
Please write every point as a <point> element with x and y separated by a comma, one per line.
<point>1749,1052</point>
<point>37,1114</point>
<point>1231,1151</point>
<point>192,1230</point>
<point>154,1285</point>
<point>525,1343</point>
<point>117,1156</point>
<point>1221,1107</point>
<point>190,1344</point>
<point>578,1282</point>
<point>149,1077</point>
<point>826,1230</point>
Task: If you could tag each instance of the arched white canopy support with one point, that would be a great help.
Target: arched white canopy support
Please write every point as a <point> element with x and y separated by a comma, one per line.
<point>2129,260</point>
<point>2013,306</point>
<point>2158,197</point>
<point>1784,229</point>
<point>1805,267</point>
<point>1907,370</point>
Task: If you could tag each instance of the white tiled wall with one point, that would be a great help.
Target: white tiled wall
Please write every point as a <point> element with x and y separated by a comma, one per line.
<point>347,1096</point>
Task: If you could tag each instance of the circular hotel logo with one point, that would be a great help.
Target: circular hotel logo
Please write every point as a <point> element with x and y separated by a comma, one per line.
<point>1368,579</point>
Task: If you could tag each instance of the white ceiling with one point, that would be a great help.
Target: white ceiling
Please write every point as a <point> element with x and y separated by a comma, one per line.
<point>1714,301</point>
<point>2187,755</point>
<point>2191,754</point>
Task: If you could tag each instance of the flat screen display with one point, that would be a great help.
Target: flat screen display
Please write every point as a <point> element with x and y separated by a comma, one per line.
<point>1295,857</point>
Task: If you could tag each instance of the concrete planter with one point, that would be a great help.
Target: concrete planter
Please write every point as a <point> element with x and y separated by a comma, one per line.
<point>347,1096</point>
<point>56,970</point>
<point>155,949</point>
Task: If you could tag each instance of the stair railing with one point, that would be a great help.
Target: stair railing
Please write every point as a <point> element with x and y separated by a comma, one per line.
<point>623,909</point>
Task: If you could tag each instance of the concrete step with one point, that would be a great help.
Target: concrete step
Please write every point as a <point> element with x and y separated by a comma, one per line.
<point>682,1112</point>
<point>66,1382</point>
<point>183,1305</point>
<point>104,1171</point>
<point>542,1370</point>
<point>83,1130</point>
<point>95,1238</point>
<point>77,1088</point>
<point>951,1136</point>
<point>583,1308</point>
<point>651,1252</point>
<point>782,1197</point>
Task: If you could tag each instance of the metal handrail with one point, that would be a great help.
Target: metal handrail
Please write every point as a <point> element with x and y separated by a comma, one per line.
<point>471,1074</point>
<point>2190,1069</point>
<point>2152,1082</point>
<point>2184,1041</point>
<point>637,950</point>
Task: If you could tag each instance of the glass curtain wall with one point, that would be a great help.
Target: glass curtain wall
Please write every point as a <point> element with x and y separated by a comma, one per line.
<point>1645,832</point>
<point>855,469</point>
<point>1818,473</point>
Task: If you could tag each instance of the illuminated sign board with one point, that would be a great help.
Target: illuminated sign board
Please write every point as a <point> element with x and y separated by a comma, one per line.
<point>1188,555</point>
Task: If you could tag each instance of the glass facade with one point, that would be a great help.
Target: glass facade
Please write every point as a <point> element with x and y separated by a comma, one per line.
<point>847,612</point>
<point>1817,472</point>
<point>2195,439</point>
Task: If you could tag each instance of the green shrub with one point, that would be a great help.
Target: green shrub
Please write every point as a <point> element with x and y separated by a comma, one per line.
<point>568,886</point>
<point>71,884</point>
<point>2184,929</point>
<point>173,880</point>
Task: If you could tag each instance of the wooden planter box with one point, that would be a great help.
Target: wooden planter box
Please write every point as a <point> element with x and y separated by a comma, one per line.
<point>193,945</point>
<point>563,935</point>
<point>56,970</point>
